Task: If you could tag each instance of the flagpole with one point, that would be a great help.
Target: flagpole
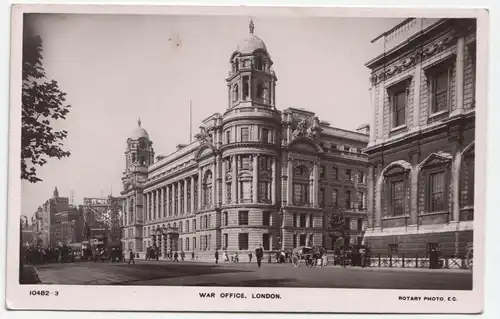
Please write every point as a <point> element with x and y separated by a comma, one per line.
<point>190,122</point>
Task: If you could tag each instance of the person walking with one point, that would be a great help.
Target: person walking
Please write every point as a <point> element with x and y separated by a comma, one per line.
<point>176,257</point>
<point>259,254</point>
<point>362,253</point>
<point>249,256</point>
<point>131,256</point>
<point>216,256</point>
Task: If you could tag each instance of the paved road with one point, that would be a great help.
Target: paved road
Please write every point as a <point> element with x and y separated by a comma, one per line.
<point>270,275</point>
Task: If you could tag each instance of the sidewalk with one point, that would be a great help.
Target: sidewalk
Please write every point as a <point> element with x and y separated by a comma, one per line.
<point>30,276</point>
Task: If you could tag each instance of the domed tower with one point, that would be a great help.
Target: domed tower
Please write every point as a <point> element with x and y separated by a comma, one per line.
<point>251,80</point>
<point>139,155</point>
<point>139,148</point>
<point>250,155</point>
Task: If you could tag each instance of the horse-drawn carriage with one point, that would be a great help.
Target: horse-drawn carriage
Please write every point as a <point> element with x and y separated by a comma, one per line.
<point>309,254</point>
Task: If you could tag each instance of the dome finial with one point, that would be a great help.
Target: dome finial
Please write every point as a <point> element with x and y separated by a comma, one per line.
<point>251,27</point>
<point>139,122</point>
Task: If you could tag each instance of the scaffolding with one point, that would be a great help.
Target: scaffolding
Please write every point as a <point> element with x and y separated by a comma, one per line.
<point>102,219</point>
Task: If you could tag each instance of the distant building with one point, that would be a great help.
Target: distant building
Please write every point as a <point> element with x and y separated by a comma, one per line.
<point>46,220</point>
<point>255,175</point>
<point>421,149</point>
<point>71,226</point>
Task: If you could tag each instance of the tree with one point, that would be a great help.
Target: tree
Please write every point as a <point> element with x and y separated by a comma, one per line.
<point>42,102</point>
<point>337,220</point>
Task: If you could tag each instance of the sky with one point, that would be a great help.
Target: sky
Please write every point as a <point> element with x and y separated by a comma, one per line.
<point>118,68</point>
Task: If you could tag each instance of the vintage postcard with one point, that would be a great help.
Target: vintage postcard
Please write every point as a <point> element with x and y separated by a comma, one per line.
<point>247,159</point>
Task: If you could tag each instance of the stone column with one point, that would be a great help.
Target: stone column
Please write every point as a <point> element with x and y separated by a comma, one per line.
<point>315,197</point>
<point>371,197</point>
<point>162,200</point>
<point>378,196</point>
<point>147,206</point>
<point>200,182</point>
<point>168,212</point>
<point>255,178</point>
<point>219,173</point>
<point>417,78</point>
<point>223,190</point>
<point>380,109</point>
<point>174,202</point>
<point>192,195</point>
<point>459,78</point>
<point>273,181</point>
<point>157,198</point>
<point>289,181</point>
<point>185,195</point>
<point>455,180</point>
<point>179,198</point>
<point>415,160</point>
<point>373,136</point>
<point>234,181</point>
<point>214,184</point>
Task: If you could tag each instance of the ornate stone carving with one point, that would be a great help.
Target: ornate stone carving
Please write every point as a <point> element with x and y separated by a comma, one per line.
<point>204,136</point>
<point>417,56</point>
<point>307,127</point>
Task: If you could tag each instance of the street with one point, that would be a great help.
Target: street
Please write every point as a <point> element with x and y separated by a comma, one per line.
<point>167,273</point>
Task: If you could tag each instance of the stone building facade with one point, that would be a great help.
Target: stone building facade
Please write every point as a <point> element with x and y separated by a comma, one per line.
<point>421,149</point>
<point>255,175</point>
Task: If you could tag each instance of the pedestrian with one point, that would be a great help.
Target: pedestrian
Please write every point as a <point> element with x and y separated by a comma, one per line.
<point>362,253</point>
<point>226,257</point>
<point>131,256</point>
<point>192,255</point>
<point>259,254</point>
<point>249,256</point>
<point>176,256</point>
<point>183,255</point>
<point>216,256</point>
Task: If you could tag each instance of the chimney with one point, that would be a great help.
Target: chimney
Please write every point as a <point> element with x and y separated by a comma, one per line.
<point>364,129</point>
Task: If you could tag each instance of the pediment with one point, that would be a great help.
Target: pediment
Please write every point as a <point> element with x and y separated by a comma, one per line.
<point>397,167</point>
<point>436,159</point>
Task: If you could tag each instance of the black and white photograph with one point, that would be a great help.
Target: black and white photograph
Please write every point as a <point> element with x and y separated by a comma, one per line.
<point>247,156</point>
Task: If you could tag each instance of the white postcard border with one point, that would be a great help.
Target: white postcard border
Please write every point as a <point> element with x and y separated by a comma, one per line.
<point>161,298</point>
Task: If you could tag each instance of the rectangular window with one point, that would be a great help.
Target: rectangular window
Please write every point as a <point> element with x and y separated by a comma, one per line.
<point>322,197</point>
<point>440,90</point>
<point>311,220</point>
<point>194,224</point>
<point>361,200</point>
<point>245,134</point>
<point>347,223</point>
<point>348,199</point>
<point>361,177</point>
<point>264,191</point>
<point>300,194</point>
<point>245,162</point>
<point>360,224</point>
<point>243,218</point>
<point>437,192</point>
<point>243,241</point>
<point>302,220</point>
<point>398,101</point>
<point>397,197</point>
<point>393,248</point>
<point>335,173</point>
<point>187,226</point>
<point>265,135</point>
<point>335,197</point>
<point>302,240</point>
<point>224,244</point>
<point>266,243</point>
<point>348,174</point>
<point>226,218</point>
<point>266,218</point>
<point>228,136</point>
<point>245,191</point>
<point>322,171</point>
<point>294,241</point>
<point>228,192</point>
<point>294,220</point>
<point>245,88</point>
